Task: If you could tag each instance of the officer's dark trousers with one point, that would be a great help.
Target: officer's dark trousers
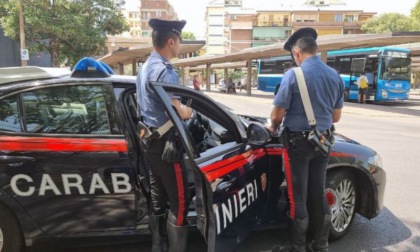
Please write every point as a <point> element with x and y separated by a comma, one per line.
<point>305,171</point>
<point>168,182</point>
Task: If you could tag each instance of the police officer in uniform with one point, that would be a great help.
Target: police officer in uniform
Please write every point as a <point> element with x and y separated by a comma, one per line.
<point>168,181</point>
<point>304,166</point>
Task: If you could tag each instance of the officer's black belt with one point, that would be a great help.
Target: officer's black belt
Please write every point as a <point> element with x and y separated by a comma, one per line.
<point>158,132</point>
<point>304,134</point>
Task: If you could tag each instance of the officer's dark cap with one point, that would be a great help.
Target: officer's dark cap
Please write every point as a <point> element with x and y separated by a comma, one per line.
<point>167,25</point>
<point>303,32</point>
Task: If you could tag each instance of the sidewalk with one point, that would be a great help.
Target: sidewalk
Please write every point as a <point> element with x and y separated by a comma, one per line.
<point>415,91</point>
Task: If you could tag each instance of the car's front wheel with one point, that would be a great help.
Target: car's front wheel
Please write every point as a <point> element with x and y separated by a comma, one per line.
<point>341,194</point>
<point>11,239</point>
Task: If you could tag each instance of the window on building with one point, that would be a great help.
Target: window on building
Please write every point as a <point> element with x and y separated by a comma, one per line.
<point>305,18</point>
<point>349,18</point>
<point>146,15</point>
<point>338,18</point>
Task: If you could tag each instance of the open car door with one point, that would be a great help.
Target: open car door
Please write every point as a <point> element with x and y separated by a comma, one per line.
<point>229,174</point>
<point>128,107</point>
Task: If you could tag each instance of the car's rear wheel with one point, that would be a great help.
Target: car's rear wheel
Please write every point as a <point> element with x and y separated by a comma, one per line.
<point>11,238</point>
<point>341,196</point>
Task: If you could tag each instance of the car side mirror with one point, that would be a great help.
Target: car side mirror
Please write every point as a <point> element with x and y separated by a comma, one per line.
<point>257,134</point>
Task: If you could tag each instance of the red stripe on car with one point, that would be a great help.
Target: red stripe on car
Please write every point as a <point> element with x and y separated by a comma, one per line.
<point>181,193</point>
<point>52,144</point>
<point>288,174</point>
<point>223,167</point>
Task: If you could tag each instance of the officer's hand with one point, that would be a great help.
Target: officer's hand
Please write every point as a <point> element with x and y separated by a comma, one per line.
<point>322,139</point>
<point>269,128</point>
<point>187,112</point>
<point>142,133</point>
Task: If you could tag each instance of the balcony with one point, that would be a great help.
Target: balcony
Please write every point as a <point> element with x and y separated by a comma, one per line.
<point>273,24</point>
<point>353,25</point>
<point>329,24</point>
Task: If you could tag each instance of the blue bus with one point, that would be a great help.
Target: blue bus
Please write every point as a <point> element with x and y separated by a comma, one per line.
<point>388,70</point>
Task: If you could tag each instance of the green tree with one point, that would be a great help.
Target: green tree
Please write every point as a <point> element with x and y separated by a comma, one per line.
<point>415,11</point>
<point>67,29</point>
<point>390,22</point>
<point>236,74</point>
<point>188,36</point>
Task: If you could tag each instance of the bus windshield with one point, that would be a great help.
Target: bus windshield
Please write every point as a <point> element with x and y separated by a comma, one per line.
<point>396,69</point>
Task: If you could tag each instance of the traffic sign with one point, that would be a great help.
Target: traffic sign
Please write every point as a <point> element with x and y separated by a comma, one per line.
<point>24,54</point>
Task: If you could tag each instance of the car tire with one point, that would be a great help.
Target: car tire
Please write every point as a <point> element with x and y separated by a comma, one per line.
<point>11,238</point>
<point>340,191</point>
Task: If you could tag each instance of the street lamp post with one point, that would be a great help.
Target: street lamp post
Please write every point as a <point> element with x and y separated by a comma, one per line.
<point>22,33</point>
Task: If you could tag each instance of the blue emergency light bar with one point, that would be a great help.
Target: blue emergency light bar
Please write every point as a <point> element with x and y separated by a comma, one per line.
<point>91,68</point>
<point>108,68</point>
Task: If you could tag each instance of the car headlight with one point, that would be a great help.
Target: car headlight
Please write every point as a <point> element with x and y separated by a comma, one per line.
<point>384,93</point>
<point>374,163</point>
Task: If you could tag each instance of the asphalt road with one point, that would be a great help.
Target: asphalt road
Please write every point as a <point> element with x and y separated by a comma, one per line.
<point>390,129</point>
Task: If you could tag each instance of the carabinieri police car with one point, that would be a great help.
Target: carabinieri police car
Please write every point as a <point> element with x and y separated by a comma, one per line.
<point>70,164</point>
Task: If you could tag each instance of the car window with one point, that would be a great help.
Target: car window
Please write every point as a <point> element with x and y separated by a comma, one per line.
<point>9,115</point>
<point>66,110</point>
<point>206,128</point>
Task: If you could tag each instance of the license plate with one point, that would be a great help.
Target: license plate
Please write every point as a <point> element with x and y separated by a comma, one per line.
<point>399,85</point>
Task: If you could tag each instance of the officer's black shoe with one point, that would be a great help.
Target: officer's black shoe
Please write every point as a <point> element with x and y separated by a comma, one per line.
<point>322,224</point>
<point>178,237</point>
<point>157,226</point>
<point>297,237</point>
<point>298,234</point>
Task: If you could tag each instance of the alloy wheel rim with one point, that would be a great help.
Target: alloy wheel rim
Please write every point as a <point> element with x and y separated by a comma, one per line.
<point>342,202</point>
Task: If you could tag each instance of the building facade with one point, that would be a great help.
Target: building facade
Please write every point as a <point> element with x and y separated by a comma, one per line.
<point>133,20</point>
<point>238,29</point>
<point>155,9</point>
<point>138,21</point>
<point>271,26</point>
<point>231,27</point>
<point>215,28</point>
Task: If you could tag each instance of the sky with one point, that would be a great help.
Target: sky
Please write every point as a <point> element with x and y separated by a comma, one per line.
<point>193,11</point>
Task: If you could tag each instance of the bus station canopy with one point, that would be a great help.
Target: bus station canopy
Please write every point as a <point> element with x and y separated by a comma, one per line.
<point>325,43</point>
<point>140,53</point>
